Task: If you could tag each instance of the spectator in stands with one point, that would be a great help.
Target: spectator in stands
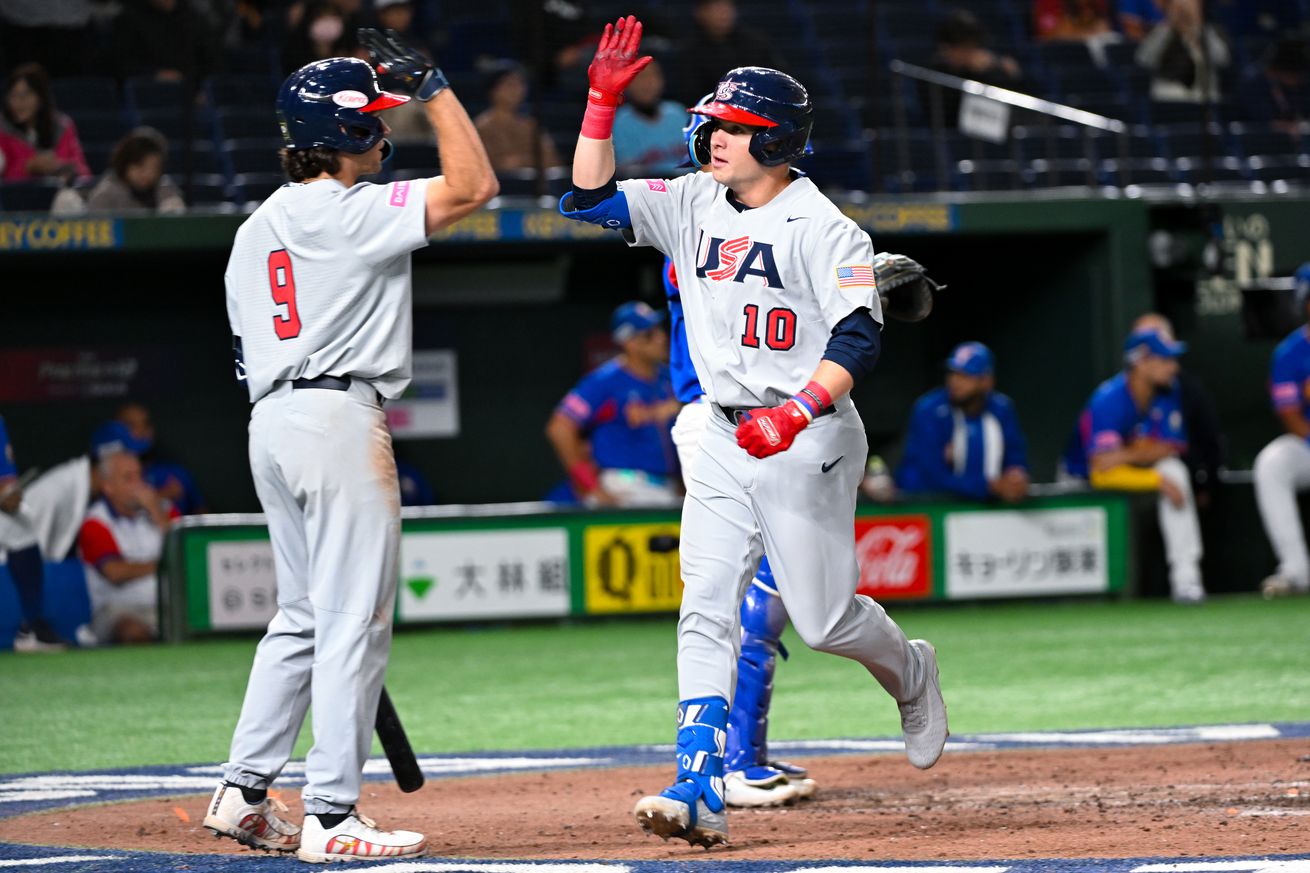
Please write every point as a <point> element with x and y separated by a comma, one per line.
<point>318,30</point>
<point>648,128</point>
<point>1071,19</point>
<point>613,431</point>
<point>1184,55</point>
<point>52,33</point>
<point>1136,17</point>
<point>134,183</point>
<point>1277,90</point>
<point>172,480</point>
<point>964,438</point>
<point>1130,437</point>
<point>164,39</point>
<point>36,139</point>
<point>121,542</point>
<point>961,50</point>
<point>718,42</point>
<point>551,36</point>
<point>510,137</point>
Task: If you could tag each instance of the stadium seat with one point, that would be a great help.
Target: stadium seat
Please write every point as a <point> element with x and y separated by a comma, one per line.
<point>245,156</point>
<point>256,187</point>
<point>33,196</point>
<point>77,94</point>
<point>97,126</point>
<point>146,93</point>
<point>245,123</point>
<point>206,190</point>
<point>242,91</point>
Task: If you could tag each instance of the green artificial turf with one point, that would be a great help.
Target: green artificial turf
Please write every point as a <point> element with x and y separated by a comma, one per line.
<point>1005,666</point>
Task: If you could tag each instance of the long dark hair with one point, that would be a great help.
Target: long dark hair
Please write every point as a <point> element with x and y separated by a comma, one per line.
<point>34,76</point>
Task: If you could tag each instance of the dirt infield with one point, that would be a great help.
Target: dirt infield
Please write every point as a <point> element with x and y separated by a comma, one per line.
<point>1220,799</point>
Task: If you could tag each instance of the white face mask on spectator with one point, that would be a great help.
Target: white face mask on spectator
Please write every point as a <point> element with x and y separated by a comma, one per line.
<point>326,29</point>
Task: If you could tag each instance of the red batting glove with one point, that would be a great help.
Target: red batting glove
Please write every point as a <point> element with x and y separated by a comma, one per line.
<point>769,431</point>
<point>612,69</point>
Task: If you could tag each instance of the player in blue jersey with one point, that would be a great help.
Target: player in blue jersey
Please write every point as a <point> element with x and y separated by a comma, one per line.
<point>611,431</point>
<point>1283,467</point>
<point>964,438</point>
<point>1130,437</point>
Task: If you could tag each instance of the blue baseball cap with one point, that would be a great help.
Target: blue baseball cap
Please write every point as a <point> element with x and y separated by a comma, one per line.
<point>1149,341</point>
<point>631,319</point>
<point>114,436</point>
<point>971,359</point>
<point>1302,277</point>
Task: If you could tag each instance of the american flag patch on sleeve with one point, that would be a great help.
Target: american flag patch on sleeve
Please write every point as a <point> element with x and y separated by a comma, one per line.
<point>854,275</point>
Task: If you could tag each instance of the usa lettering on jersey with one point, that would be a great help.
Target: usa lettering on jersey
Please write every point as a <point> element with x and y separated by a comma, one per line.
<point>721,260</point>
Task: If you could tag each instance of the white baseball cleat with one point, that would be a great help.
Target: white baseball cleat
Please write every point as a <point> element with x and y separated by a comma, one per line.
<point>356,838</point>
<point>666,817</point>
<point>759,787</point>
<point>256,825</point>
<point>923,719</point>
<point>798,777</point>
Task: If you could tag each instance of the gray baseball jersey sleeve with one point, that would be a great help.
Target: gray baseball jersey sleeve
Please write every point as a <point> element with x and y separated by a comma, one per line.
<point>762,289</point>
<point>333,297</point>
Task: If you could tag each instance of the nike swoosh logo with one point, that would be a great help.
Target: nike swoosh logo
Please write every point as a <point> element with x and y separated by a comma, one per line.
<point>797,218</point>
<point>829,466</point>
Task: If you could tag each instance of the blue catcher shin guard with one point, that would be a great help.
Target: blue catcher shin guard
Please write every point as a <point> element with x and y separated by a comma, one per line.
<point>701,723</point>
<point>763,618</point>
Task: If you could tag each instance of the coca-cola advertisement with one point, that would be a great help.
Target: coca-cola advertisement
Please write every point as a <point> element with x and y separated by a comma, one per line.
<point>895,555</point>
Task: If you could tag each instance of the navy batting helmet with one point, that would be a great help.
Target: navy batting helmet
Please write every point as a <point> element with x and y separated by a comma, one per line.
<point>767,99</point>
<point>331,103</point>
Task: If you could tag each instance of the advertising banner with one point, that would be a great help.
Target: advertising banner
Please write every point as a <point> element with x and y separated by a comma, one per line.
<point>895,556</point>
<point>430,405</point>
<point>242,584</point>
<point>1035,552</point>
<point>484,574</point>
<point>632,568</point>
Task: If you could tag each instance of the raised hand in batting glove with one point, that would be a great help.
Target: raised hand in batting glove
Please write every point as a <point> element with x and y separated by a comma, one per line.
<point>767,432</point>
<point>402,66</point>
<point>906,289</point>
<point>611,71</point>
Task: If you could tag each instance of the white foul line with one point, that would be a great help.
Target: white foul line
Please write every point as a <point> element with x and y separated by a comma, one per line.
<point>62,859</point>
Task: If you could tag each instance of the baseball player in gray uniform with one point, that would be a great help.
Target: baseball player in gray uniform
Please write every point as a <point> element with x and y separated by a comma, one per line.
<point>318,296</point>
<point>783,317</point>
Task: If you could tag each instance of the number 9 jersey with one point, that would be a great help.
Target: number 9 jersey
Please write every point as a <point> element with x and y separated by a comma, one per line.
<point>762,289</point>
<point>318,284</point>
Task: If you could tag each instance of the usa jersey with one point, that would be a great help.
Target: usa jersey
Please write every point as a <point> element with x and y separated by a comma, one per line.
<point>686,385</point>
<point>1111,421</point>
<point>628,420</point>
<point>762,289</point>
<point>1289,382</point>
<point>318,284</point>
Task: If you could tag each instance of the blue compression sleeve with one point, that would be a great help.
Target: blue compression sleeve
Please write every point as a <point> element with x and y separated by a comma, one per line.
<point>855,344</point>
<point>606,206</point>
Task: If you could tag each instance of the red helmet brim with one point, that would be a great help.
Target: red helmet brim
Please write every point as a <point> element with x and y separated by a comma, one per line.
<point>385,100</point>
<point>728,112</point>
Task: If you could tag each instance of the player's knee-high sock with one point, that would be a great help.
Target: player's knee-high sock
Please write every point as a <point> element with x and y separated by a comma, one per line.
<point>763,618</point>
<point>701,723</point>
<point>28,570</point>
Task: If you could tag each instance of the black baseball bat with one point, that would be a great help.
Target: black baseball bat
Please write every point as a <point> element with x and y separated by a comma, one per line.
<point>400,754</point>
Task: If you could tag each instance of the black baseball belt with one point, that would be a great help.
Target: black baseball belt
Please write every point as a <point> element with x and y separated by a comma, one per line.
<point>329,383</point>
<point>734,413</point>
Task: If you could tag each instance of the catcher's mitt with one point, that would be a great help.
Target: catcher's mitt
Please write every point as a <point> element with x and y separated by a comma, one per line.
<point>400,65</point>
<point>905,287</point>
